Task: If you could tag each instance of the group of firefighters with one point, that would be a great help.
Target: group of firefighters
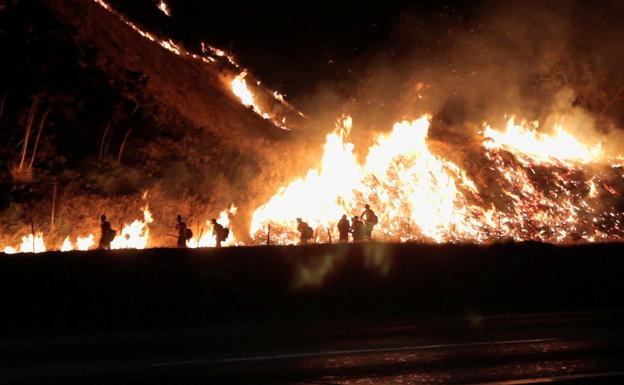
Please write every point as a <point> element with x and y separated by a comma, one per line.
<point>360,228</point>
<point>220,233</point>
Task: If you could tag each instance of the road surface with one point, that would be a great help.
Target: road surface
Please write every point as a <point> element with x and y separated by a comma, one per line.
<point>577,347</point>
<point>322,314</point>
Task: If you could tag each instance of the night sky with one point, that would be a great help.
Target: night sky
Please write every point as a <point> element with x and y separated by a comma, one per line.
<point>295,45</point>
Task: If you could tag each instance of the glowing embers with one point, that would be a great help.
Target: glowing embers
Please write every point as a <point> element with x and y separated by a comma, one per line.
<point>549,185</point>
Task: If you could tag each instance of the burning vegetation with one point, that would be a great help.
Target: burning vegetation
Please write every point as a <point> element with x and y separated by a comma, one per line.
<point>510,178</point>
<point>545,187</point>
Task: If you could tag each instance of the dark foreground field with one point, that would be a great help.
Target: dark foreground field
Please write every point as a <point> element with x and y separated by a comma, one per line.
<point>367,313</point>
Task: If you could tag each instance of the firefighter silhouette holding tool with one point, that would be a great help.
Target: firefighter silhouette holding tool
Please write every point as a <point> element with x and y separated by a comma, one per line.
<point>107,234</point>
<point>184,233</point>
<point>219,232</point>
<point>305,232</point>
<point>343,229</point>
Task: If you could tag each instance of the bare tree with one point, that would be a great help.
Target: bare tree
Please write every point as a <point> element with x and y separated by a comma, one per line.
<point>34,151</point>
<point>123,145</point>
<point>108,126</point>
<point>31,118</point>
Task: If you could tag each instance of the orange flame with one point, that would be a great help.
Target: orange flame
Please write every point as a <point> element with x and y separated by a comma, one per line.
<point>67,245</point>
<point>82,243</point>
<point>206,239</point>
<point>240,89</point>
<point>30,244</point>
<point>543,189</point>
<point>9,250</point>
<point>522,139</point>
<point>135,235</point>
<point>164,8</point>
<point>85,243</point>
<point>420,195</point>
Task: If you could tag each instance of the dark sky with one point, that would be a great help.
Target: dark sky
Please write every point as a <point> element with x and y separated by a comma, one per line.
<point>293,45</point>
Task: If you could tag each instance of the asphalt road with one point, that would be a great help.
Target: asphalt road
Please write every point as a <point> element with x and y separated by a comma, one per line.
<point>371,313</point>
<point>575,347</point>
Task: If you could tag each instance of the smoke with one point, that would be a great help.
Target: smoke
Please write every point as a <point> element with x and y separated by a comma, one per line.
<point>467,66</point>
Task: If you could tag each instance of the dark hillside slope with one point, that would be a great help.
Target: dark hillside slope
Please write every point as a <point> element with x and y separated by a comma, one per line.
<point>126,116</point>
<point>196,89</point>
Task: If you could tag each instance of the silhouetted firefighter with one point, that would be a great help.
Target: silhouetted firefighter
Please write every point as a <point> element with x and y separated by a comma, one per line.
<point>357,229</point>
<point>343,229</point>
<point>107,234</point>
<point>305,232</point>
<point>219,232</point>
<point>370,220</point>
<point>184,233</point>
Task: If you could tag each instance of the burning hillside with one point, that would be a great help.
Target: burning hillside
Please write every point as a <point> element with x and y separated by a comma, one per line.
<point>546,187</point>
<point>200,135</point>
<point>128,114</point>
<point>252,95</point>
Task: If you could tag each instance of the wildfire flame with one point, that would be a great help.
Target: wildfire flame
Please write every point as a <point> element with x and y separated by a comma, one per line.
<point>164,8</point>
<point>419,195</point>
<point>206,239</point>
<point>85,243</point>
<point>547,187</point>
<point>82,243</point>
<point>542,186</point>
<point>135,235</point>
<point>9,250</point>
<point>240,89</point>
<point>523,140</point>
<point>67,245</point>
<point>29,244</point>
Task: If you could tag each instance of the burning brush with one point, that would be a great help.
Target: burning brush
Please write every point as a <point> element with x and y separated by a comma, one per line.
<point>549,188</point>
<point>544,187</point>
